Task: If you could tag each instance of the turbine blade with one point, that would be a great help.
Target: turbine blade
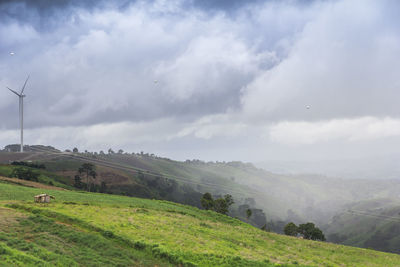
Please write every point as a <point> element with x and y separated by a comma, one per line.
<point>23,88</point>
<point>13,91</point>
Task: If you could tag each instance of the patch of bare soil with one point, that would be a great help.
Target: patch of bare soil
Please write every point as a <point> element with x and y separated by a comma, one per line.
<point>9,217</point>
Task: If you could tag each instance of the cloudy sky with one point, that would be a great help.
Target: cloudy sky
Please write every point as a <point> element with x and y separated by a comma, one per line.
<point>215,80</point>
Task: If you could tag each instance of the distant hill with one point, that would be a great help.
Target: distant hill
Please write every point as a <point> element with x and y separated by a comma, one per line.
<point>370,224</point>
<point>91,229</point>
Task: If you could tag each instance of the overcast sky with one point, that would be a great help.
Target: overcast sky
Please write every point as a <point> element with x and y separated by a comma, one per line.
<point>214,80</point>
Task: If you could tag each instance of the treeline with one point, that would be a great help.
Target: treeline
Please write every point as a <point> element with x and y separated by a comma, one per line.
<point>24,171</point>
<point>141,154</point>
<point>25,174</point>
<point>28,164</point>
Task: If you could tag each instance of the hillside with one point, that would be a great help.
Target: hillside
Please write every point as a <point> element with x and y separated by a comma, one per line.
<point>281,197</point>
<point>274,199</point>
<point>89,229</point>
<point>371,224</point>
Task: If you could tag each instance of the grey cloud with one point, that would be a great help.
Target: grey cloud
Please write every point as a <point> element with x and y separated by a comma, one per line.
<point>250,64</point>
<point>102,67</point>
<point>343,65</point>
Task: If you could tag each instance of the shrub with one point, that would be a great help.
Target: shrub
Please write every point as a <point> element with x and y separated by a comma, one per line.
<point>25,174</point>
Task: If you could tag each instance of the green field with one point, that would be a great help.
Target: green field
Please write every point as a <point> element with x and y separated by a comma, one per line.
<point>45,176</point>
<point>88,229</point>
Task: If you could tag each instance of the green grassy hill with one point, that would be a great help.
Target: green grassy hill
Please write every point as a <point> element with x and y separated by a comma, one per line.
<point>90,229</point>
<point>282,198</point>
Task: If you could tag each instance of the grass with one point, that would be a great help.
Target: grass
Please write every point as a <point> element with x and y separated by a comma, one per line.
<point>99,228</point>
<point>45,176</point>
<point>40,241</point>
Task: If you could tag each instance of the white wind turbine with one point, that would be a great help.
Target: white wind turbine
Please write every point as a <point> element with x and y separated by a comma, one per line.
<point>21,111</point>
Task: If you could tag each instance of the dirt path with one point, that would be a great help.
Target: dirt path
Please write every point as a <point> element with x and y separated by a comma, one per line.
<point>31,184</point>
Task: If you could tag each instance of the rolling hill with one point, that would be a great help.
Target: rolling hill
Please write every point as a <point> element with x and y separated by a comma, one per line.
<point>369,224</point>
<point>274,198</point>
<point>91,229</point>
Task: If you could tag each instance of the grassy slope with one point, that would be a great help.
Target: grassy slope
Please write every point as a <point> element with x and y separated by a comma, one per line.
<point>327,196</point>
<point>45,176</point>
<point>34,240</point>
<point>150,232</point>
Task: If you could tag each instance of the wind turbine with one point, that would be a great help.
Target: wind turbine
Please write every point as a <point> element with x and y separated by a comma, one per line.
<point>21,111</point>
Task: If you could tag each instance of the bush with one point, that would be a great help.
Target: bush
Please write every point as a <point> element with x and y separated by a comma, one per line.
<point>25,174</point>
<point>108,234</point>
<point>140,245</point>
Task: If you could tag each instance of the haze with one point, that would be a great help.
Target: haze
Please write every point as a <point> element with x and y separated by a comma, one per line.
<point>214,80</point>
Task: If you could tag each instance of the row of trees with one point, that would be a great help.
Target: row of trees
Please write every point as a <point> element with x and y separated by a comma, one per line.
<point>306,230</point>
<point>110,151</point>
<point>29,164</point>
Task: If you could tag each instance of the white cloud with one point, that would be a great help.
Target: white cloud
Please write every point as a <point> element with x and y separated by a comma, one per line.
<point>348,130</point>
<point>214,126</point>
<point>98,136</point>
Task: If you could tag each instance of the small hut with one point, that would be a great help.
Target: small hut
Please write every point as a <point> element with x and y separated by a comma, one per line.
<point>43,198</point>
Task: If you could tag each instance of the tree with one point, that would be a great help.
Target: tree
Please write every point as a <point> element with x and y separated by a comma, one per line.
<point>93,187</point>
<point>229,200</point>
<point>78,182</point>
<point>309,231</point>
<point>75,150</point>
<point>103,187</point>
<point>291,229</point>
<point>248,213</point>
<point>207,201</point>
<point>110,151</point>
<point>120,151</point>
<point>220,205</point>
<point>88,170</point>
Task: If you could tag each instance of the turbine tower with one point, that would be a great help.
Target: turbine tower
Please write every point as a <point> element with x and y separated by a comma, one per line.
<point>21,111</point>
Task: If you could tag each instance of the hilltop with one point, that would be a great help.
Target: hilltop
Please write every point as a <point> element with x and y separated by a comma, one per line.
<point>91,229</point>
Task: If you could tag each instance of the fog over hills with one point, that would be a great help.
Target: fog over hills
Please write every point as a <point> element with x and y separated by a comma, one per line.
<point>373,167</point>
